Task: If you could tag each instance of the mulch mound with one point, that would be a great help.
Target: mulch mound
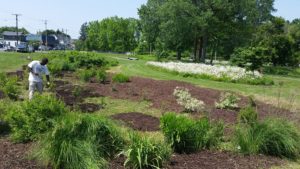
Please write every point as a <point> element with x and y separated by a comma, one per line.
<point>13,156</point>
<point>160,94</point>
<point>64,91</point>
<point>89,107</point>
<point>138,121</point>
<point>212,160</point>
<point>216,159</point>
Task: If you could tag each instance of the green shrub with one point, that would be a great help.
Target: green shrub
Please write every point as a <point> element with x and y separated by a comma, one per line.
<point>187,135</point>
<point>101,76</point>
<point>144,152</point>
<point>31,118</point>
<point>79,142</point>
<point>86,74</point>
<point>120,78</point>
<point>275,137</point>
<point>248,116</point>
<point>9,86</point>
<point>228,101</point>
<point>4,127</point>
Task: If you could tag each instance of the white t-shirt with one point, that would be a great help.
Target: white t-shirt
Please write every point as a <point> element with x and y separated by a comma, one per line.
<point>39,69</point>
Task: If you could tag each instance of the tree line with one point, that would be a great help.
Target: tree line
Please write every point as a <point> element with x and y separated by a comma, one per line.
<point>244,31</point>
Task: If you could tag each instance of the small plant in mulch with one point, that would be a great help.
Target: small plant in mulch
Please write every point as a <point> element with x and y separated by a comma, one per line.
<point>184,98</point>
<point>101,76</point>
<point>120,78</point>
<point>77,91</point>
<point>145,152</point>
<point>187,135</point>
<point>228,100</point>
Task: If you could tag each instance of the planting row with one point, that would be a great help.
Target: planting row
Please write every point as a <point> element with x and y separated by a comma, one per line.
<point>216,72</point>
<point>68,139</point>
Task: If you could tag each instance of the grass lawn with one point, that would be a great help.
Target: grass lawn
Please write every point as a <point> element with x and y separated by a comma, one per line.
<point>10,61</point>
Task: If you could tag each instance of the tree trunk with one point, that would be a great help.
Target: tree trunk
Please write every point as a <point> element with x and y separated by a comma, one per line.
<point>203,50</point>
<point>199,49</point>
<point>178,55</point>
<point>195,49</point>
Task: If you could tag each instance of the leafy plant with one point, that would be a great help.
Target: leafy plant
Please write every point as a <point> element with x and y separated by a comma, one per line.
<point>187,135</point>
<point>185,99</point>
<point>79,142</point>
<point>101,76</point>
<point>228,101</point>
<point>275,137</point>
<point>9,86</point>
<point>31,118</point>
<point>144,152</point>
<point>120,78</point>
<point>86,74</point>
<point>77,91</point>
<point>248,116</point>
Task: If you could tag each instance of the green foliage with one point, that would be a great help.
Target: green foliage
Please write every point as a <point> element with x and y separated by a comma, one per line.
<point>9,86</point>
<point>248,116</point>
<point>275,137</point>
<point>252,58</point>
<point>79,142</point>
<point>144,152</point>
<point>77,91</point>
<point>228,101</point>
<point>120,78</point>
<point>86,74</point>
<point>187,135</point>
<point>112,34</point>
<point>31,118</point>
<point>101,76</point>
<point>4,126</point>
<point>283,71</point>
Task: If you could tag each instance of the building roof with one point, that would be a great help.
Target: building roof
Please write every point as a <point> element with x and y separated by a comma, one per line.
<point>8,33</point>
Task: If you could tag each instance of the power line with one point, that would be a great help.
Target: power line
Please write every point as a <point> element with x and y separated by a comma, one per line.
<point>17,15</point>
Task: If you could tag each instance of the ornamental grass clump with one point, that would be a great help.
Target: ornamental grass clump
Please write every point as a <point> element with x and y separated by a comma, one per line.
<point>79,142</point>
<point>275,137</point>
<point>187,135</point>
<point>184,98</point>
<point>227,101</point>
<point>145,152</point>
<point>31,118</point>
<point>120,78</point>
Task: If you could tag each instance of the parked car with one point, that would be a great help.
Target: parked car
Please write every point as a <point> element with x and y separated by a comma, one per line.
<point>24,47</point>
<point>9,48</point>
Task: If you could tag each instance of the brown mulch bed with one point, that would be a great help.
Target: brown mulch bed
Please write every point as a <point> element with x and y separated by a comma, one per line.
<point>160,94</point>
<point>89,107</point>
<point>212,160</point>
<point>64,91</point>
<point>138,121</point>
<point>216,159</point>
<point>13,156</point>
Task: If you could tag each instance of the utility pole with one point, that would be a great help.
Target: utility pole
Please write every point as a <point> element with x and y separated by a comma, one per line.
<point>45,22</point>
<point>17,29</point>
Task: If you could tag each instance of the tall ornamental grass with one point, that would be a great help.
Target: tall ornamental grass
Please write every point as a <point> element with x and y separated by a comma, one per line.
<point>187,135</point>
<point>79,142</point>
<point>275,137</point>
<point>145,152</point>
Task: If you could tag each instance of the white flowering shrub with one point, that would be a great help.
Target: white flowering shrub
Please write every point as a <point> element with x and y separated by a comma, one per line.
<point>216,72</point>
<point>227,101</point>
<point>184,98</point>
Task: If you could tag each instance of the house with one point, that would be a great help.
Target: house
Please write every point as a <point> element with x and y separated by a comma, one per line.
<point>10,38</point>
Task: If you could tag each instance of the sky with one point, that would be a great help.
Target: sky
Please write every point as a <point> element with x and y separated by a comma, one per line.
<point>69,15</point>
